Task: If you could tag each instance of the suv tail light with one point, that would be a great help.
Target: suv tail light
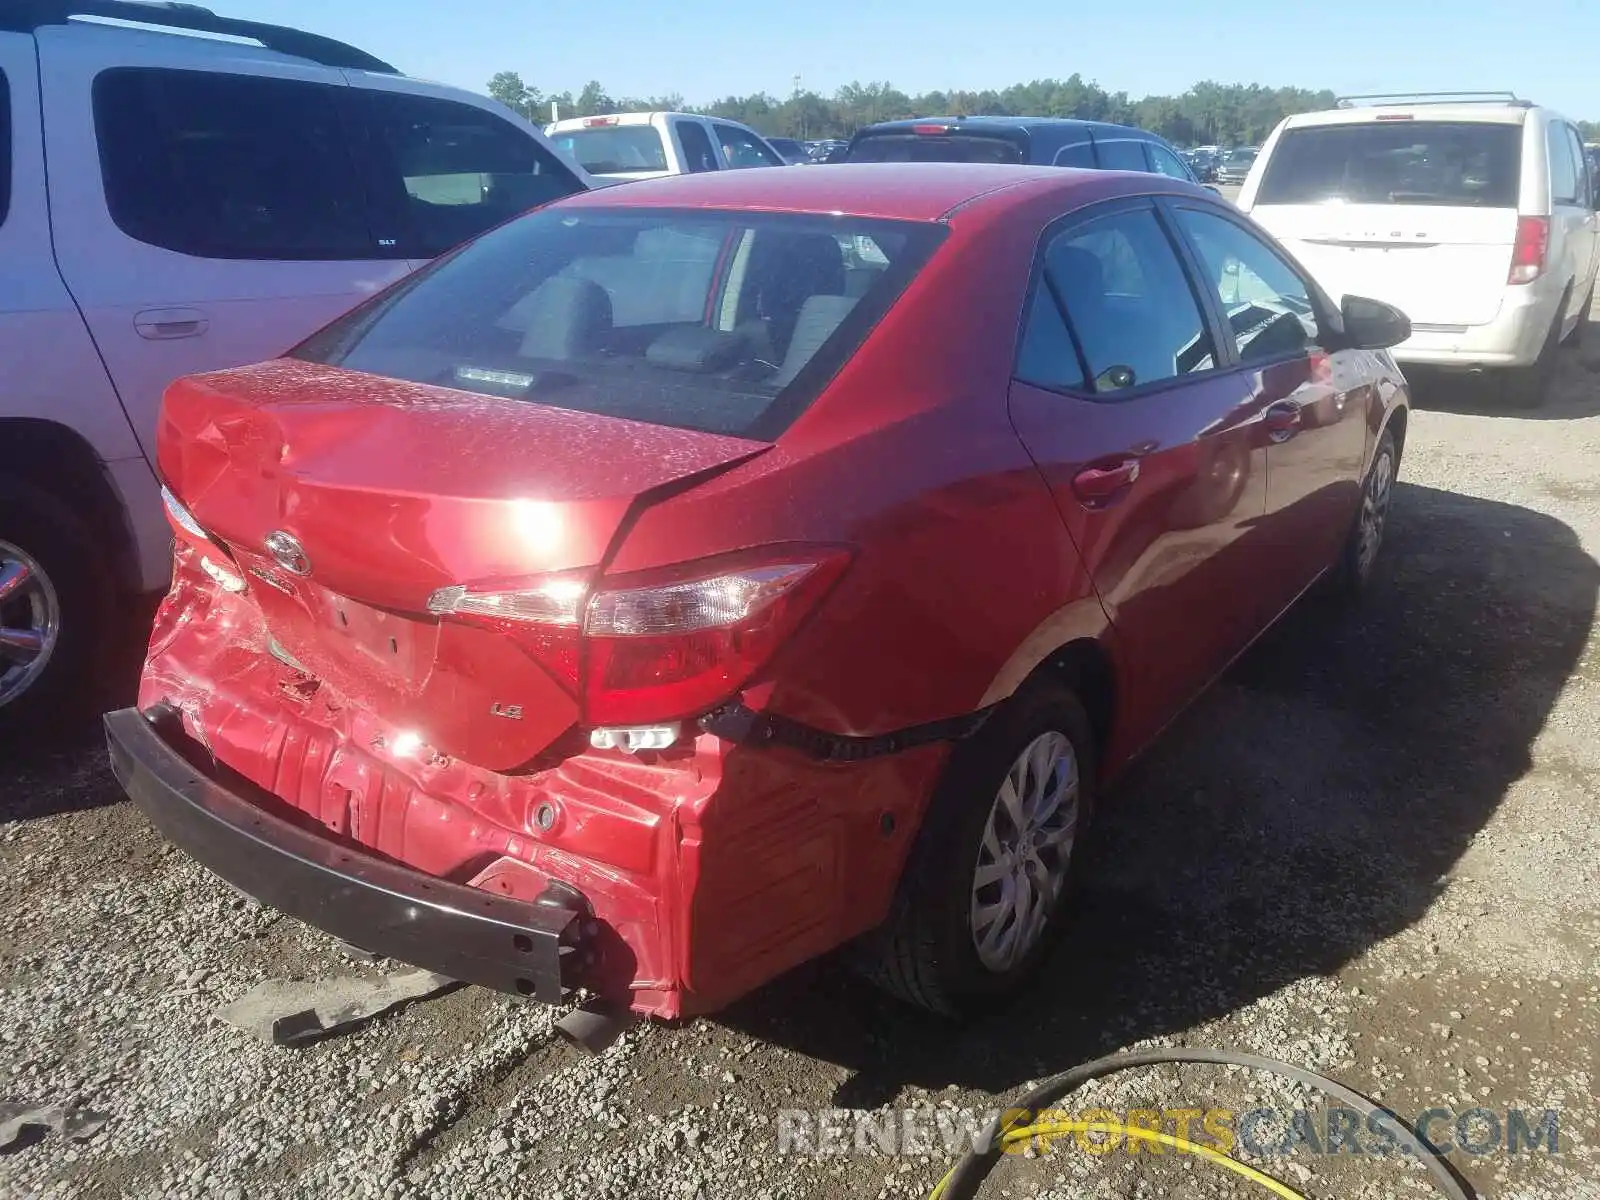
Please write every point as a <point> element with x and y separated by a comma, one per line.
<point>1529,250</point>
<point>657,647</point>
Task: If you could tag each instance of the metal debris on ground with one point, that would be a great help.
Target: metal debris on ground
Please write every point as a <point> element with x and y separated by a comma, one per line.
<point>70,1121</point>
<point>293,1012</point>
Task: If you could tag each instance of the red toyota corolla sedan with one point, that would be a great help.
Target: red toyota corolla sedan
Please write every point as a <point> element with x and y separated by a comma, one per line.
<point>689,578</point>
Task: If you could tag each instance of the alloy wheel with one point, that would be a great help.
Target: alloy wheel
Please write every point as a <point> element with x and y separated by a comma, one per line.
<point>30,621</point>
<point>1026,848</point>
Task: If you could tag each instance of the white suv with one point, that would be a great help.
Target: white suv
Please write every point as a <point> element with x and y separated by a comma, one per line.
<point>1476,216</point>
<point>623,146</point>
<point>172,202</point>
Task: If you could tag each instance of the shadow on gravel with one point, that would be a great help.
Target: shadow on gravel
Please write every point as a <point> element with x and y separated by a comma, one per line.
<point>58,764</point>
<point>1575,393</point>
<point>1301,812</point>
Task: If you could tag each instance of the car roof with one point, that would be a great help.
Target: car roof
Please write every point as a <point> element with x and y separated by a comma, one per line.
<point>982,124</point>
<point>895,191</point>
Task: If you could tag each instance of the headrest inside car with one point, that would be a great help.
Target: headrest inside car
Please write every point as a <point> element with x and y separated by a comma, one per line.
<point>695,348</point>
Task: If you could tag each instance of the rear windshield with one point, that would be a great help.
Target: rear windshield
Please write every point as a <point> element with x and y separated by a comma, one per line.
<point>727,322</point>
<point>936,147</point>
<point>614,149</point>
<point>1475,164</point>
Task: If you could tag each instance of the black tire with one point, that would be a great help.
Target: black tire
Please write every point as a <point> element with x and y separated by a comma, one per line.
<point>1527,387</point>
<point>62,546</point>
<point>1352,575</point>
<point>924,953</point>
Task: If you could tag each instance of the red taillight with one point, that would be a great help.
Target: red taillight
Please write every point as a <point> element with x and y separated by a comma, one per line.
<point>930,129</point>
<point>1396,117</point>
<point>591,122</point>
<point>660,647</point>
<point>1529,250</point>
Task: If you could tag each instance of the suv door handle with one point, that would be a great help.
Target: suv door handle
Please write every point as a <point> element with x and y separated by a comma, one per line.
<point>1103,482</point>
<point>160,324</point>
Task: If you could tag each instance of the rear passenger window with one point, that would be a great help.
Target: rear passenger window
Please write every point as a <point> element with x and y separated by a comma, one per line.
<point>1563,169</point>
<point>697,153</point>
<point>449,171</point>
<point>1079,154</point>
<point>5,147</point>
<point>1128,301</point>
<point>1122,154</point>
<point>229,166</point>
<point>1268,305</point>
<point>1048,357</point>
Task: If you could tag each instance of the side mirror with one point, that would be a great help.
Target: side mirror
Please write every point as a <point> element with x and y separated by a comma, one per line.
<point>1372,324</point>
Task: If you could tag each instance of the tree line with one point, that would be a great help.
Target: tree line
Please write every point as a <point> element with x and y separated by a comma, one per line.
<point>1209,113</point>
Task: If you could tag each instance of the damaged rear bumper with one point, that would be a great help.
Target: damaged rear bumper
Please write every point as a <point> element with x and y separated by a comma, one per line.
<point>495,941</point>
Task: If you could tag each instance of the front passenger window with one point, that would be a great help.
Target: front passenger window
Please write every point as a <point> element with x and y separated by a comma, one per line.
<point>1268,305</point>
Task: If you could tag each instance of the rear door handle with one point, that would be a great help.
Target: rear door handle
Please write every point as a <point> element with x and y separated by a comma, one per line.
<point>1105,481</point>
<point>160,324</point>
<point>1282,420</point>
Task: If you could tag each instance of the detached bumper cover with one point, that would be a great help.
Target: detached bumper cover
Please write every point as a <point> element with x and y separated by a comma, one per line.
<point>464,932</point>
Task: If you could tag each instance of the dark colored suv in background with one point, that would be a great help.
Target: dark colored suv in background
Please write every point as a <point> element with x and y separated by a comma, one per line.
<point>1043,141</point>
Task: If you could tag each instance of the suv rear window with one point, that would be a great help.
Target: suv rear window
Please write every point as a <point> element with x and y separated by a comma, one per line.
<point>920,147</point>
<point>727,322</point>
<point>1465,163</point>
<point>615,149</point>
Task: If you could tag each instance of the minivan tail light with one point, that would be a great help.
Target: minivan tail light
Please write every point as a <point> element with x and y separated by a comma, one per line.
<point>656,647</point>
<point>1529,250</point>
<point>930,130</point>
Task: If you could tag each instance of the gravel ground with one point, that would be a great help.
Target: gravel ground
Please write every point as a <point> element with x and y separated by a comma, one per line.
<point>1371,850</point>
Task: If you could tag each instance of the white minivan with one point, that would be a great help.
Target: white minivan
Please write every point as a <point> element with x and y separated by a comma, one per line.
<point>181,192</point>
<point>1474,213</point>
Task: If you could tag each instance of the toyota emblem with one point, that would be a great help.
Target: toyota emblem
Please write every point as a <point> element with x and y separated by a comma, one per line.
<point>288,553</point>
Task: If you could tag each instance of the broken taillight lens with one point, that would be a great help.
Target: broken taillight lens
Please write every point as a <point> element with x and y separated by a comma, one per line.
<point>661,646</point>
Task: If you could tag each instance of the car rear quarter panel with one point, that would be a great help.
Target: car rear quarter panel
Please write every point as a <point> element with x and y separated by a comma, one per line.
<point>909,457</point>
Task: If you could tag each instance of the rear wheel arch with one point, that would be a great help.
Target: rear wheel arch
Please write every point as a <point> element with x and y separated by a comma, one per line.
<point>54,459</point>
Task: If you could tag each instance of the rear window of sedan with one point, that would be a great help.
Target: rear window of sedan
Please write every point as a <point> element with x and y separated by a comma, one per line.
<point>727,322</point>
<point>1463,163</point>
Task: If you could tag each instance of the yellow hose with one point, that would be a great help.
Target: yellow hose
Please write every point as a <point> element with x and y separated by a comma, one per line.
<point>1013,1136</point>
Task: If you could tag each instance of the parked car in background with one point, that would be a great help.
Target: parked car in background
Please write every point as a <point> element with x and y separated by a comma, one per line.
<point>1045,141</point>
<point>1475,213</point>
<point>1203,163</point>
<point>675,493</point>
<point>823,150</point>
<point>619,147</point>
<point>1234,166</point>
<point>172,202</point>
<point>791,150</point>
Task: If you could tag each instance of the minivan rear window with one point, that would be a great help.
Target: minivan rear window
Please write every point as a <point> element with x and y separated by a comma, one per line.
<point>935,147</point>
<point>1470,164</point>
<point>614,149</point>
<point>722,321</point>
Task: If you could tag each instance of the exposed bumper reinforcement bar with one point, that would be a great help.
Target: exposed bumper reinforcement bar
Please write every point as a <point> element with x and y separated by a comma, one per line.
<point>382,906</point>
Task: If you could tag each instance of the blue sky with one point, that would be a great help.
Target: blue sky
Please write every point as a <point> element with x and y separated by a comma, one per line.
<point>1549,51</point>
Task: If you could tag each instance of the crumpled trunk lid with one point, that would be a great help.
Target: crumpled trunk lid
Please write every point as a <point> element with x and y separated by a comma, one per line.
<point>395,490</point>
